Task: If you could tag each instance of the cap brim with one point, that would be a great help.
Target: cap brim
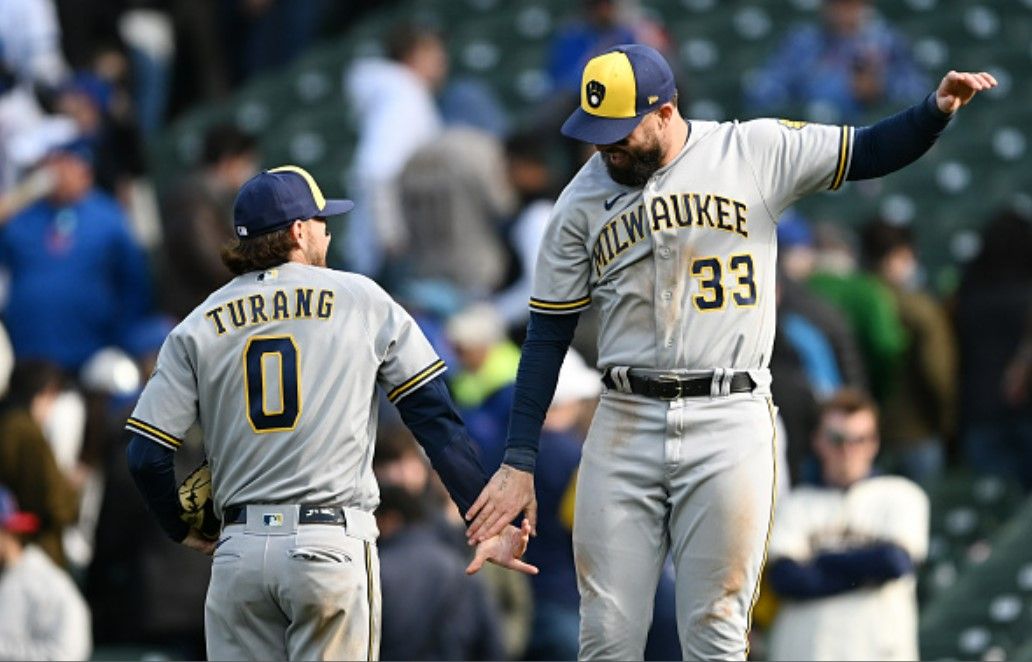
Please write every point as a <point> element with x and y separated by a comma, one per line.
<point>336,207</point>
<point>589,128</point>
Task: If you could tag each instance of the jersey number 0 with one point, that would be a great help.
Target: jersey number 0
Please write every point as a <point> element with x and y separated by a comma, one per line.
<point>262,356</point>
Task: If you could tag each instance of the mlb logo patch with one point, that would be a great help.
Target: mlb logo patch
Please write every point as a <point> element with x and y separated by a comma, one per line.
<point>272,519</point>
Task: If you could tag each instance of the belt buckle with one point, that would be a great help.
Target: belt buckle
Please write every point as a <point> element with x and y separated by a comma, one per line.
<point>669,379</point>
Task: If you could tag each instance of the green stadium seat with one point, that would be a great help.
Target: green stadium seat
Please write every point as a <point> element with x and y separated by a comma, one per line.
<point>992,589</point>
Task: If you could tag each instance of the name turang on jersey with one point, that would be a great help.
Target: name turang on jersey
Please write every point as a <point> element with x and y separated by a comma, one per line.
<point>300,303</point>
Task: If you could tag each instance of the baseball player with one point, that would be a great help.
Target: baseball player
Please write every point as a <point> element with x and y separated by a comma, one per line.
<point>279,368</point>
<point>670,231</point>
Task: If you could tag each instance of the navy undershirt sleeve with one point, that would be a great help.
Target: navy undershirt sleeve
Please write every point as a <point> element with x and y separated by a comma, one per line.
<point>548,338</point>
<point>896,141</point>
<point>877,563</point>
<point>805,581</point>
<point>431,416</point>
<point>830,573</point>
<point>151,466</point>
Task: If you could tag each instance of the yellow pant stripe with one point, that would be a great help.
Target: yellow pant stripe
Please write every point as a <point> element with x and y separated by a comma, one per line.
<point>371,652</point>
<point>770,519</point>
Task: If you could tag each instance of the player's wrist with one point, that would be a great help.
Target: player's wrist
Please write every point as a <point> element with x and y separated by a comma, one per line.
<point>521,459</point>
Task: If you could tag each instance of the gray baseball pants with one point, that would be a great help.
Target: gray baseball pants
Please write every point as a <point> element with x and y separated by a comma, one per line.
<point>286,591</point>
<point>695,476</point>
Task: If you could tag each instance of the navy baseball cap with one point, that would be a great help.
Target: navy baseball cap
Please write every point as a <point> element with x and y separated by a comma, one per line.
<point>273,199</point>
<point>618,89</point>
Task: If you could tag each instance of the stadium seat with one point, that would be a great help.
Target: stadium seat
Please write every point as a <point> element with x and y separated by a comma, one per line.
<point>991,592</point>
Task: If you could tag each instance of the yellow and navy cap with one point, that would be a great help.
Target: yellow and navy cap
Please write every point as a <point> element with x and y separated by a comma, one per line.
<point>273,199</point>
<point>618,88</point>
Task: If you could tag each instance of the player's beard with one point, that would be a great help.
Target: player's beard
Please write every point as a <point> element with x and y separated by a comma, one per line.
<point>641,163</point>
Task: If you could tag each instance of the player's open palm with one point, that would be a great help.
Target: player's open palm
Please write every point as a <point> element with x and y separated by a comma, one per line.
<point>508,493</point>
<point>505,549</point>
<point>959,87</point>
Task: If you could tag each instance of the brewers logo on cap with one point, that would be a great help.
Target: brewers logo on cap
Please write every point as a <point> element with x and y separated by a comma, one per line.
<point>594,93</point>
<point>618,88</point>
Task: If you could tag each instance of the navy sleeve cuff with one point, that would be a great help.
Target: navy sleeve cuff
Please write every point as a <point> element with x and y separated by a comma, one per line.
<point>153,471</point>
<point>523,459</point>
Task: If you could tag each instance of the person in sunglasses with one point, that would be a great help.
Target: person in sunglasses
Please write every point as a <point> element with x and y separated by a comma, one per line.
<point>843,552</point>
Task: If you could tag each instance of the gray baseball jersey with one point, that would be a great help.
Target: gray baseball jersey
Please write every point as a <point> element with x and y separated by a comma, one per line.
<point>682,270</point>
<point>279,368</point>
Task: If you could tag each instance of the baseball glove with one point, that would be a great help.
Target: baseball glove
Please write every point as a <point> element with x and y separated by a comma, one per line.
<point>198,509</point>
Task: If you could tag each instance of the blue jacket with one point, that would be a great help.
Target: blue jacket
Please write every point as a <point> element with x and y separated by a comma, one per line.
<point>78,279</point>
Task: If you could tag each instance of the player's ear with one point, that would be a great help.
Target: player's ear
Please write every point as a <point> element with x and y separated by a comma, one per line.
<point>297,230</point>
<point>665,112</point>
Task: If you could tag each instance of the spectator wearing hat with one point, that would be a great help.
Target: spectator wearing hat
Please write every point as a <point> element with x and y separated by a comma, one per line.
<point>27,464</point>
<point>78,279</point>
<point>43,615</point>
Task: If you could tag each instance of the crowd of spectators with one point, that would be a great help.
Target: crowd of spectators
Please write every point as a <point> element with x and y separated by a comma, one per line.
<point>96,266</point>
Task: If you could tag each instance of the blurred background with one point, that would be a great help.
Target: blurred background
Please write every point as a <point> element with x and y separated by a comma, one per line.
<point>126,127</point>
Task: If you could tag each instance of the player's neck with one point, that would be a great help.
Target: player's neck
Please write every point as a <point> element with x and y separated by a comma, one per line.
<point>679,131</point>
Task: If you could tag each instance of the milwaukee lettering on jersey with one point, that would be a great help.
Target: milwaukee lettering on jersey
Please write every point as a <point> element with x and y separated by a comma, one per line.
<point>673,211</point>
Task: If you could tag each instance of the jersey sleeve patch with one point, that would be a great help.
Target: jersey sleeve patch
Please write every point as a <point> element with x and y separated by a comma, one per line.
<point>154,434</point>
<point>417,380</point>
<point>845,152</point>
<point>543,306</point>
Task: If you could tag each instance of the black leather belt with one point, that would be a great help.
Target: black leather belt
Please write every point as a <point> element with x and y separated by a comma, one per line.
<point>672,388</point>
<point>309,514</point>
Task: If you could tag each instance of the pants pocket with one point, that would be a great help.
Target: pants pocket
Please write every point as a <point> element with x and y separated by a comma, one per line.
<point>319,555</point>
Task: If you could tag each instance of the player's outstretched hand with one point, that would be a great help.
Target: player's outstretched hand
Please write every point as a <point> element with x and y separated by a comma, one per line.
<point>509,492</point>
<point>194,540</point>
<point>959,87</point>
<point>505,550</point>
